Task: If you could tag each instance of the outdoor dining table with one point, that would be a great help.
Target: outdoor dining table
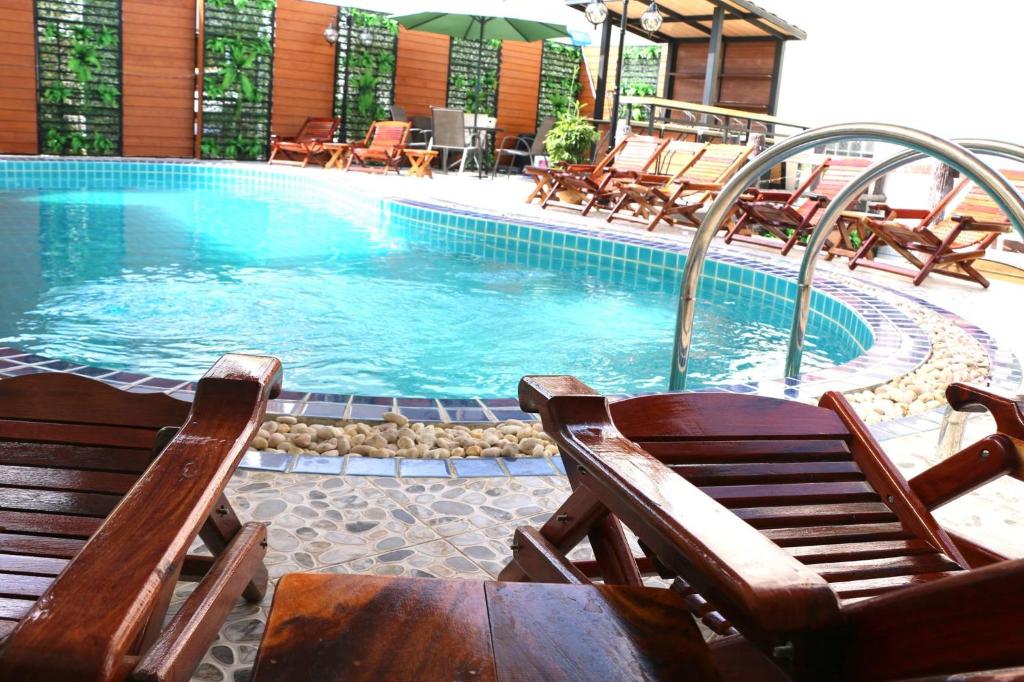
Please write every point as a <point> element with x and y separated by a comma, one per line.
<point>480,141</point>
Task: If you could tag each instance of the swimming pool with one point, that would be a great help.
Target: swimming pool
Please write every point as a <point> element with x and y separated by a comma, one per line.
<point>159,268</point>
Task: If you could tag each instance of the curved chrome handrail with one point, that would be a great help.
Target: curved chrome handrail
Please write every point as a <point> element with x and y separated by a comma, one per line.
<point>798,332</point>
<point>952,154</point>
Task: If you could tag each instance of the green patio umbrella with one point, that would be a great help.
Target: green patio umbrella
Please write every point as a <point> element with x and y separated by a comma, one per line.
<point>480,21</point>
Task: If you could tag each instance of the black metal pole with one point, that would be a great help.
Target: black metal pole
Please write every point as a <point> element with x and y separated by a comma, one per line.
<point>476,108</point>
<point>602,68</point>
<point>344,87</point>
<point>618,75</point>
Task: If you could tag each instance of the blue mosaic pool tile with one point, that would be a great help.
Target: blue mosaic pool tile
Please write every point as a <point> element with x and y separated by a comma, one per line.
<point>308,464</point>
<point>324,410</point>
<point>416,402</point>
<point>421,414</point>
<point>504,413</point>
<point>127,377</point>
<point>281,406</point>
<point>373,400</point>
<point>23,370</point>
<point>370,466</point>
<point>559,464</point>
<point>423,468</point>
<point>484,467</point>
<point>328,398</point>
<point>266,461</point>
<point>157,382</point>
<point>363,411</point>
<point>528,466</point>
<point>467,415</point>
<point>6,352</point>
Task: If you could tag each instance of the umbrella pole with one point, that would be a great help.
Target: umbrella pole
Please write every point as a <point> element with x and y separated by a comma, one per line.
<point>476,109</point>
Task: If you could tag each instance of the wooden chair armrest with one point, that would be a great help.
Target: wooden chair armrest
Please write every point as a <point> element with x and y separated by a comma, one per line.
<point>701,186</point>
<point>752,581</point>
<point>652,179</point>
<point>580,168</point>
<point>905,213</point>
<point>87,622</point>
<point>970,224</point>
<point>769,194</point>
<point>1008,412</point>
<point>964,622</point>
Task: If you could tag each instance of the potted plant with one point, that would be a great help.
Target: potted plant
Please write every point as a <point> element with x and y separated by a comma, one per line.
<point>570,141</point>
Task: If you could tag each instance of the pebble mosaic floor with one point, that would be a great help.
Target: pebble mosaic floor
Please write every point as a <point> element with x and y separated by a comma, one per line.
<point>461,528</point>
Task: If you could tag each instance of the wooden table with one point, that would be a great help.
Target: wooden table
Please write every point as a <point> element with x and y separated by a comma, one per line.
<point>419,162</point>
<point>357,627</point>
<point>339,154</point>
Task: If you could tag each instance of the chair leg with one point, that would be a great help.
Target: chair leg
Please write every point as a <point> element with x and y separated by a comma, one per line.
<point>218,531</point>
<point>462,162</point>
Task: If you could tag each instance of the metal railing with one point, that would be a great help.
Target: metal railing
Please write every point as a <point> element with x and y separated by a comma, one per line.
<point>816,240</point>
<point>1002,192</point>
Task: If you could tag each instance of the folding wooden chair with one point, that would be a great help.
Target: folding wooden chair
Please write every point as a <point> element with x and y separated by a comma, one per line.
<point>384,143</point>
<point>791,216</point>
<point>638,197</point>
<point>787,524</point>
<point>635,154</point>
<point>944,247</point>
<point>677,199</point>
<point>99,505</point>
<point>307,145</point>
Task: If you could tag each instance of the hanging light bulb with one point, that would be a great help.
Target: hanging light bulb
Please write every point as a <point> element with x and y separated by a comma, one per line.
<point>596,12</point>
<point>366,38</point>
<point>331,33</point>
<point>651,18</point>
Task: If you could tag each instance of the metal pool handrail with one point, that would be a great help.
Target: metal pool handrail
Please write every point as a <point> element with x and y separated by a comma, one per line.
<point>954,155</point>
<point>816,241</point>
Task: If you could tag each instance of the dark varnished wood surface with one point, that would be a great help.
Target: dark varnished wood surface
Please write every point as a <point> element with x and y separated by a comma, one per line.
<point>334,627</point>
<point>94,528</point>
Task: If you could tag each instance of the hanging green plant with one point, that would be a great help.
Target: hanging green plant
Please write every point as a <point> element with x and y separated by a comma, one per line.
<point>79,74</point>
<point>559,79</point>
<point>467,59</point>
<point>237,59</point>
<point>365,84</point>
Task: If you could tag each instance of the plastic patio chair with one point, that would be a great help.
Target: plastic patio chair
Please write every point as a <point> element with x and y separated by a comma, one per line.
<point>523,149</point>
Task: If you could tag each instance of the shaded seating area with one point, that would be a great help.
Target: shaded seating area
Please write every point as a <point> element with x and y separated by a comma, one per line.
<point>595,184</point>
<point>99,505</point>
<point>384,144</point>
<point>785,526</point>
<point>789,217</point>
<point>307,145</point>
<point>932,244</point>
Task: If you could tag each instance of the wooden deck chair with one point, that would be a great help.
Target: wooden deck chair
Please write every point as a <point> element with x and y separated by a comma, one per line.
<point>307,145</point>
<point>944,247</point>
<point>636,196</point>
<point>99,505</point>
<point>678,199</point>
<point>786,523</point>
<point>635,154</point>
<point>385,143</point>
<point>791,216</point>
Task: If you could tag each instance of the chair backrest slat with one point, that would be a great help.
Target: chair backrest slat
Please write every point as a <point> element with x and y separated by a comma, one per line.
<point>318,130</point>
<point>384,135</point>
<point>718,163</point>
<point>449,127</point>
<point>679,155</point>
<point>838,174</point>
<point>980,206</point>
<point>637,153</point>
<point>538,148</point>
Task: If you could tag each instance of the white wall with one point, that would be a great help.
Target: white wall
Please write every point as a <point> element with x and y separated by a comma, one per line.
<point>950,68</point>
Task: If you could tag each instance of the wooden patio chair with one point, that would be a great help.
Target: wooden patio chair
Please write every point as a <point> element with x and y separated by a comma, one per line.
<point>636,196</point>
<point>787,524</point>
<point>99,504</point>
<point>935,246</point>
<point>385,143</point>
<point>634,155</point>
<point>676,199</point>
<point>792,216</point>
<point>307,145</point>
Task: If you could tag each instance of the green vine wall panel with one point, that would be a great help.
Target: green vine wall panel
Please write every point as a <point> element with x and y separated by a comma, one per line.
<point>364,87</point>
<point>559,79</point>
<point>238,60</point>
<point>462,76</point>
<point>640,68</point>
<point>78,43</point>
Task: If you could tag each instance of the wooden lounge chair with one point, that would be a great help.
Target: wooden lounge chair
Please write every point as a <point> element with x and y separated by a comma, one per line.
<point>944,247</point>
<point>307,145</point>
<point>98,507</point>
<point>792,216</point>
<point>635,154</point>
<point>787,523</point>
<point>384,143</point>
<point>635,196</point>
<point>677,199</point>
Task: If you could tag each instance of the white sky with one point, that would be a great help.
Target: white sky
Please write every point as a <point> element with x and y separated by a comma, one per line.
<point>953,69</point>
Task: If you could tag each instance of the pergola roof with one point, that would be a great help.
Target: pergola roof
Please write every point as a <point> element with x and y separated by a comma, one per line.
<point>692,19</point>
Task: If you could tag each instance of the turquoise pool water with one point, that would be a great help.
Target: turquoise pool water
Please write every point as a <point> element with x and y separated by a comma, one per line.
<point>354,300</point>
